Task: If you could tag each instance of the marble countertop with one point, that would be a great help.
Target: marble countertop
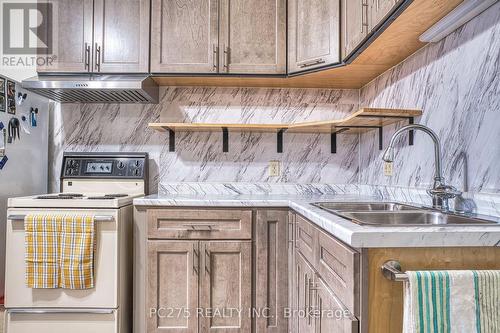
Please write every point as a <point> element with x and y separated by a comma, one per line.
<point>355,235</point>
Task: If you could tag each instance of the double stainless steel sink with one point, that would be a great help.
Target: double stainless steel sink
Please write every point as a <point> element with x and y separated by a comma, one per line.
<point>396,214</point>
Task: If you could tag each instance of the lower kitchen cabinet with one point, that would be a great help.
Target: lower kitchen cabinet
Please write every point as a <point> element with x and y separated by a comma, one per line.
<point>271,277</point>
<point>241,270</point>
<point>322,266</point>
<point>173,282</point>
<point>226,286</point>
<point>303,320</point>
<point>331,315</point>
<point>199,286</point>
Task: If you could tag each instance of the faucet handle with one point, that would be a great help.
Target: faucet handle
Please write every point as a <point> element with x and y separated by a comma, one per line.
<point>444,192</point>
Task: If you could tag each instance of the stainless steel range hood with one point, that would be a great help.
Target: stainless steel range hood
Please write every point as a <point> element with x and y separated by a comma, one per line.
<point>95,88</point>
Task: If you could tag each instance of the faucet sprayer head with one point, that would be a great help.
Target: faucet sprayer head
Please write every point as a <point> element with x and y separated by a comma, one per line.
<point>389,154</point>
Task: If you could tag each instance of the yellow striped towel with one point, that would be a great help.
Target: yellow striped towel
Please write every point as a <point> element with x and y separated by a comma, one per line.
<point>59,251</point>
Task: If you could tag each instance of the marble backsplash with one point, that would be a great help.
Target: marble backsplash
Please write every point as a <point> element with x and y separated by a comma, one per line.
<point>306,158</point>
<point>456,83</point>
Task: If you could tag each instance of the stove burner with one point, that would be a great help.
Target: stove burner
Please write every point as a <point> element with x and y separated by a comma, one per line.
<point>120,195</point>
<point>57,196</point>
<point>74,195</point>
<point>100,198</point>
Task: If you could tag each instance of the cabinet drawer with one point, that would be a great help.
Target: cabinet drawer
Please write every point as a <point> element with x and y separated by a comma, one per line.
<point>338,265</point>
<point>199,224</point>
<point>306,238</point>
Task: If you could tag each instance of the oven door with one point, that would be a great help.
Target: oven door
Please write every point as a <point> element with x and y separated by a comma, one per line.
<point>103,295</point>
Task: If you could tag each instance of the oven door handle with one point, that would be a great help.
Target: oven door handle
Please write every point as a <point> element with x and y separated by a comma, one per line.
<point>97,218</point>
<point>45,311</point>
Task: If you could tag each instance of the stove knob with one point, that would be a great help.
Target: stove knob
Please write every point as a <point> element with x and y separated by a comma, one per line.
<point>120,165</point>
<point>93,167</point>
<point>107,167</point>
<point>101,167</point>
<point>137,163</point>
<point>136,172</point>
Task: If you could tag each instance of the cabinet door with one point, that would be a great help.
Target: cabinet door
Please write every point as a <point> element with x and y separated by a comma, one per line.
<point>304,322</point>
<point>226,287</point>
<point>379,9</point>
<point>292,281</point>
<point>184,36</point>
<point>72,36</point>
<point>354,23</point>
<point>172,292</point>
<point>313,33</point>
<point>121,36</point>
<point>271,243</point>
<point>332,315</point>
<point>253,36</point>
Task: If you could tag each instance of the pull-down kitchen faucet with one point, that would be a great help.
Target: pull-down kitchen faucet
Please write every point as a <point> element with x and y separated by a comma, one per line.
<point>440,192</point>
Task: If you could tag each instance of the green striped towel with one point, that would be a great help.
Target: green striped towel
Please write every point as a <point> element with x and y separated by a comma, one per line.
<point>452,302</point>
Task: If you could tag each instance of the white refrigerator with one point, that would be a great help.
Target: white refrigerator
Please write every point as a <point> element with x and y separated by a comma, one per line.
<point>25,171</point>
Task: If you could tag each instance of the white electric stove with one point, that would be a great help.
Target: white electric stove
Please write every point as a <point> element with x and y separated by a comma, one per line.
<point>100,184</point>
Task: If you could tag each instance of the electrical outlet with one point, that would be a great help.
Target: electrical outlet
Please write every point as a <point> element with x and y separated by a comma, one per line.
<point>274,168</point>
<point>388,169</point>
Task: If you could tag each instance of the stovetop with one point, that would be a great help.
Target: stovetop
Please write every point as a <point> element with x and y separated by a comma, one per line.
<point>74,200</point>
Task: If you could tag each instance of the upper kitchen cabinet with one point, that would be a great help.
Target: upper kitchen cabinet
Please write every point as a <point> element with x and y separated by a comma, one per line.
<point>354,24</point>
<point>253,37</point>
<point>313,34</point>
<point>184,36</point>
<point>121,36</point>
<point>378,10</point>
<point>72,36</point>
<point>101,36</point>
<point>209,36</point>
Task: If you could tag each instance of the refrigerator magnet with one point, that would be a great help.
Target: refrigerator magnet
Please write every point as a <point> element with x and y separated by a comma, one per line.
<point>3,161</point>
<point>2,95</point>
<point>11,97</point>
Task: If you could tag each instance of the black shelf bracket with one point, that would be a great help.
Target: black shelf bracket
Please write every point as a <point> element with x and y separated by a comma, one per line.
<point>171,140</point>
<point>380,138</point>
<point>333,140</point>
<point>279,140</point>
<point>225,140</point>
<point>411,137</point>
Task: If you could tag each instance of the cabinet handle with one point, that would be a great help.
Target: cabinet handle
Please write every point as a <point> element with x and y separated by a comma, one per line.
<point>97,57</point>
<point>312,63</point>
<point>216,58</point>
<point>87,57</point>
<point>207,261</point>
<point>364,14</point>
<point>200,227</point>
<point>196,261</point>
<point>225,59</point>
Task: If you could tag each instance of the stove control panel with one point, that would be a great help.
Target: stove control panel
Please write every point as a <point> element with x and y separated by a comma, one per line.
<point>101,165</point>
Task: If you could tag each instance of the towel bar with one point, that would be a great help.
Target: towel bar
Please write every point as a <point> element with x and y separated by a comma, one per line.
<point>392,270</point>
<point>97,218</point>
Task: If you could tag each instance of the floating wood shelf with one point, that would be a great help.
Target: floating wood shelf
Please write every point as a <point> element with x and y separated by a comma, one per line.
<point>361,121</point>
